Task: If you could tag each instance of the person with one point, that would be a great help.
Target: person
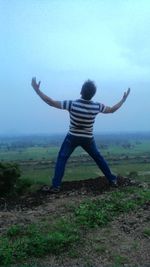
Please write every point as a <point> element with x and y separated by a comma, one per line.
<point>82,117</point>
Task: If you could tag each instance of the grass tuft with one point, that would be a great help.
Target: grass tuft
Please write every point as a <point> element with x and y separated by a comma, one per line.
<point>100,212</point>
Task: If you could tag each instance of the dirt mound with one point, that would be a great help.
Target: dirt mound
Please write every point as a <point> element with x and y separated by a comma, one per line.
<point>96,185</point>
<point>89,186</point>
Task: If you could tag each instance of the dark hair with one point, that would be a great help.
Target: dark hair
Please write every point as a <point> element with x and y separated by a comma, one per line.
<point>88,90</point>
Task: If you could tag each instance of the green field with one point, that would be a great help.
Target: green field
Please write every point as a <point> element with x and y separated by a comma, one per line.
<point>50,152</point>
<point>125,155</point>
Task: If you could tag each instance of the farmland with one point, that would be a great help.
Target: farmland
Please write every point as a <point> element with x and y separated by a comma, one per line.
<point>36,155</point>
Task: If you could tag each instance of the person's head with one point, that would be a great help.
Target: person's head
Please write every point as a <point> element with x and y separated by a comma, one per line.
<point>88,90</point>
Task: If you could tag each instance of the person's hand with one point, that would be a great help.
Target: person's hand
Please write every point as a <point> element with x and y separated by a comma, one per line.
<point>35,85</point>
<point>126,95</point>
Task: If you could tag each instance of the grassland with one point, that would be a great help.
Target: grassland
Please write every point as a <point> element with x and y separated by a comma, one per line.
<point>125,156</point>
<point>112,228</point>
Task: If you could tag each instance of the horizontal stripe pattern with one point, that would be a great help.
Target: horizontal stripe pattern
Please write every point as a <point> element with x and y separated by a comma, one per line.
<point>82,115</point>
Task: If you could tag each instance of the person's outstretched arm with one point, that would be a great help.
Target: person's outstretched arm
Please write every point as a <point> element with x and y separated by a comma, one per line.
<point>45,98</point>
<point>118,105</point>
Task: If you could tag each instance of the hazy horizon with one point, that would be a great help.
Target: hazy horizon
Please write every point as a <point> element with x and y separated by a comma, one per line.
<point>132,133</point>
<point>64,43</point>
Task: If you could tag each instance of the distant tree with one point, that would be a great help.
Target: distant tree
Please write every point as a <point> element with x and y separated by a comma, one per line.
<point>9,175</point>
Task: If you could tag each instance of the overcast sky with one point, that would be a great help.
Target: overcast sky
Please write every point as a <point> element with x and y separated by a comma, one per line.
<point>65,42</point>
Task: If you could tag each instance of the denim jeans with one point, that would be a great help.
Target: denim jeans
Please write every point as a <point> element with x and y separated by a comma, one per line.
<point>68,146</point>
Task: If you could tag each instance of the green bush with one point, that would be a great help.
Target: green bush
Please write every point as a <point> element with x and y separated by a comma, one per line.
<point>9,174</point>
<point>23,185</point>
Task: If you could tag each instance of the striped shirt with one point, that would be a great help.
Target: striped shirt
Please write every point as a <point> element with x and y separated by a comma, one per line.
<point>82,116</point>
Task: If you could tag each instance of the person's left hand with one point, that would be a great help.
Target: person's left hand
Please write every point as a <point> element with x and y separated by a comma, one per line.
<point>35,85</point>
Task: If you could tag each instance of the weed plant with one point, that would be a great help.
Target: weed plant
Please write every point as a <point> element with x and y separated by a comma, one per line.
<point>100,212</point>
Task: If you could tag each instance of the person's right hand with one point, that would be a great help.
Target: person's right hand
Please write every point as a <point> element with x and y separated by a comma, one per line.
<point>35,85</point>
<point>126,95</point>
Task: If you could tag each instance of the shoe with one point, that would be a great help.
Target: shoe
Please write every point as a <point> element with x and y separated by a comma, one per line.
<point>51,189</point>
<point>54,189</point>
<point>114,183</point>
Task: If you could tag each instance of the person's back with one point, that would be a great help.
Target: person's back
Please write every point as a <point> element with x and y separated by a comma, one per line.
<point>82,116</point>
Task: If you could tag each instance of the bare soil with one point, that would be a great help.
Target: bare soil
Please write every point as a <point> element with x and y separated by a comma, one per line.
<point>83,187</point>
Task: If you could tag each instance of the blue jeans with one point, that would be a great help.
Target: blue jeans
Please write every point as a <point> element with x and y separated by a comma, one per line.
<point>68,146</point>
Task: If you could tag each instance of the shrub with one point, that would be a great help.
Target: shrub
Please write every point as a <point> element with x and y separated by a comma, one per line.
<point>9,174</point>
